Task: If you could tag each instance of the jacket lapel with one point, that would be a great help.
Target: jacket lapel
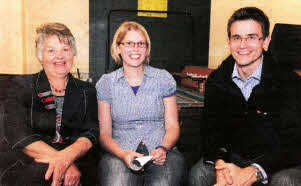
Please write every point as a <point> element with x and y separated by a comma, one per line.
<point>269,77</point>
<point>227,66</point>
<point>43,112</point>
<point>73,99</point>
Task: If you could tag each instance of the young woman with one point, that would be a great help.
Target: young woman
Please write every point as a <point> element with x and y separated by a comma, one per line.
<point>137,109</point>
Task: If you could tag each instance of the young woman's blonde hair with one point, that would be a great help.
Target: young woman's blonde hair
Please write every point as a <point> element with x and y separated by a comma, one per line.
<point>123,29</point>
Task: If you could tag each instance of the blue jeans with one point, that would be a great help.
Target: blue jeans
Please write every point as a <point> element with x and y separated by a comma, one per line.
<point>114,172</point>
<point>204,174</point>
<point>287,177</point>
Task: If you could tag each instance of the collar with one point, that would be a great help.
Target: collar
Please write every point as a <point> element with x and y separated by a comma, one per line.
<point>148,72</point>
<point>74,94</point>
<point>271,75</point>
<point>42,84</point>
<point>255,75</point>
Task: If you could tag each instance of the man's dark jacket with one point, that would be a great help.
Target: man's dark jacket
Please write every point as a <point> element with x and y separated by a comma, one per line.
<point>266,129</point>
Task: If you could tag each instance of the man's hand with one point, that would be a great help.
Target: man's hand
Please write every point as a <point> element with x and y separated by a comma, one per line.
<point>223,176</point>
<point>240,176</point>
<point>72,176</point>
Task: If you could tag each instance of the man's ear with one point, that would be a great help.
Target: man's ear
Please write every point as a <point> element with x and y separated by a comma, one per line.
<point>228,41</point>
<point>266,42</point>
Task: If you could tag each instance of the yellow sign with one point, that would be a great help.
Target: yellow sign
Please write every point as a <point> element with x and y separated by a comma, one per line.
<point>155,5</point>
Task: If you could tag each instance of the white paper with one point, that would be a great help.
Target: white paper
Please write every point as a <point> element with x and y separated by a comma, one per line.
<point>139,162</point>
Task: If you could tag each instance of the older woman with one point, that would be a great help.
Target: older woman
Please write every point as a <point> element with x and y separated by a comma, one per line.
<point>137,113</point>
<point>51,116</point>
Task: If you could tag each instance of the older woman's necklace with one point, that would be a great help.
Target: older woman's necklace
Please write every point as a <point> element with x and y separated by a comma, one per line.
<point>60,91</point>
<point>57,90</point>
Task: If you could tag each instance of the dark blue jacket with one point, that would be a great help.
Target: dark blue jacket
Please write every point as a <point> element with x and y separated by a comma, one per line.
<point>266,129</point>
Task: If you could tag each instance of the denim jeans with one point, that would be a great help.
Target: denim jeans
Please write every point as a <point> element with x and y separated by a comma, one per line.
<point>114,172</point>
<point>204,175</point>
<point>287,177</point>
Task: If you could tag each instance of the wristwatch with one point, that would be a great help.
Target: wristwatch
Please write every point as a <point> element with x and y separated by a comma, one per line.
<point>258,174</point>
<point>164,148</point>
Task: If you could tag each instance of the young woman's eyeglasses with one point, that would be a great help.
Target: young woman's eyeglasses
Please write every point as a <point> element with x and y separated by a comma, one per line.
<point>251,39</point>
<point>130,44</point>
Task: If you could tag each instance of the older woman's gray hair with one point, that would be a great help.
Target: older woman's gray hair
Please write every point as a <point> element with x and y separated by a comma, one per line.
<point>54,29</point>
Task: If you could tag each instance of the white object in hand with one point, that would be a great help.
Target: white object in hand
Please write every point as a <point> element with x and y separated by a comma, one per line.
<point>138,163</point>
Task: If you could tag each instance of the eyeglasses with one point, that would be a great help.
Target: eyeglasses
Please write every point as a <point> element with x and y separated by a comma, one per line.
<point>251,39</point>
<point>131,44</point>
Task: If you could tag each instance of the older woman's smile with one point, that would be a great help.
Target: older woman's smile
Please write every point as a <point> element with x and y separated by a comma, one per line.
<point>60,63</point>
<point>57,57</point>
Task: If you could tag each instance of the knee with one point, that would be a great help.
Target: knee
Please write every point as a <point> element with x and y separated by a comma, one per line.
<point>170,173</point>
<point>111,164</point>
<point>287,177</point>
<point>174,167</point>
<point>175,161</point>
<point>113,171</point>
<point>201,174</point>
<point>195,171</point>
<point>199,170</point>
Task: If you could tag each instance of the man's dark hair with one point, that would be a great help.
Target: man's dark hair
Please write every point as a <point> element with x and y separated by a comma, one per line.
<point>250,13</point>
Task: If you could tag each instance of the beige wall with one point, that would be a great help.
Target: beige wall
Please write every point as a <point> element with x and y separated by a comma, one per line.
<point>21,17</point>
<point>11,51</point>
<point>17,50</point>
<point>279,11</point>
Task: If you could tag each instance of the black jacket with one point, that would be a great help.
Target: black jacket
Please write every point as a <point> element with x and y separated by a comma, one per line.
<point>266,129</point>
<point>28,119</point>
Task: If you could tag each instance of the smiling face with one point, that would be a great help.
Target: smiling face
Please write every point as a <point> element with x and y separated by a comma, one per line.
<point>57,57</point>
<point>247,54</point>
<point>132,56</point>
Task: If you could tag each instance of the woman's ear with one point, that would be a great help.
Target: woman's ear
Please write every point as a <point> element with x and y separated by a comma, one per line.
<point>117,49</point>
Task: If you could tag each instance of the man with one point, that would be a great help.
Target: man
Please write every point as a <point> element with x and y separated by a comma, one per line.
<point>253,112</point>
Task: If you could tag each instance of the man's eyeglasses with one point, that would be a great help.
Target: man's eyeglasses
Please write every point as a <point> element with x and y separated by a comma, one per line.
<point>131,44</point>
<point>251,39</point>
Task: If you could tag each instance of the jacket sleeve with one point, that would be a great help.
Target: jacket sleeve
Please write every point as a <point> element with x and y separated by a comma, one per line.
<point>214,117</point>
<point>288,129</point>
<point>91,129</point>
<point>18,131</point>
